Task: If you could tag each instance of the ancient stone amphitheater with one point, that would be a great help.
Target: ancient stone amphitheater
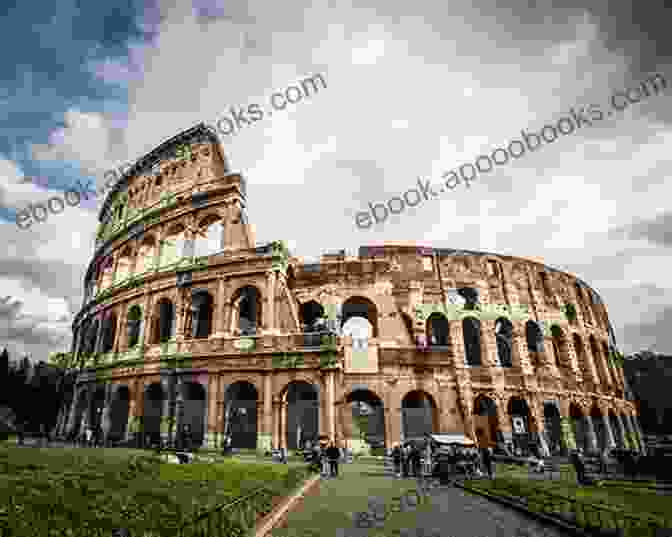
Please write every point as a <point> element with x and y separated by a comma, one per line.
<point>186,321</point>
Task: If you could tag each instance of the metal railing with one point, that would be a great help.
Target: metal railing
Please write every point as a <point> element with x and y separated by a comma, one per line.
<point>580,513</point>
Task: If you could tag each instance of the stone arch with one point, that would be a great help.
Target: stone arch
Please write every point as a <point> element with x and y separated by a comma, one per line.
<point>119,413</point>
<point>581,356</point>
<point>576,415</point>
<point>246,305</point>
<point>240,414</point>
<point>419,414</point>
<point>153,412</point>
<point>302,413</point>
<point>164,323</point>
<point>209,235</point>
<point>367,417</point>
<point>201,313</point>
<point>534,338</point>
<point>134,325</point>
<point>521,420</point>
<point>192,412</point>
<point>560,348</point>
<point>146,257</point>
<point>109,330</point>
<point>504,339</point>
<point>437,330</point>
<point>471,333</point>
<point>359,306</point>
<point>485,421</point>
<point>312,315</point>
<point>552,427</point>
<point>172,247</point>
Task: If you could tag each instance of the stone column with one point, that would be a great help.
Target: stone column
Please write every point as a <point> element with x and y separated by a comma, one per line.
<point>621,431</point>
<point>147,321</point>
<point>591,437</point>
<point>331,425</point>
<point>107,410</point>
<point>269,305</point>
<point>70,423</point>
<point>538,424</point>
<point>392,413</point>
<point>276,424</point>
<point>220,309</point>
<point>640,433</point>
<point>608,433</point>
<point>213,397</point>
<point>266,431</point>
<point>632,433</point>
<point>283,424</point>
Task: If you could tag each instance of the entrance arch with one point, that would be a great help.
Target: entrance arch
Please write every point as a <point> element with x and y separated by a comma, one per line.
<point>303,413</point>
<point>367,417</point>
<point>240,415</point>
<point>153,411</point>
<point>552,427</point>
<point>192,412</point>
<point>520,423</point>
<point>119,414</point>
<point>485,421</point>
<point>418,415</point>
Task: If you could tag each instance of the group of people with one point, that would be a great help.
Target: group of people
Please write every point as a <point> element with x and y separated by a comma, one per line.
<point>407,460</point>
<point>324,458</point>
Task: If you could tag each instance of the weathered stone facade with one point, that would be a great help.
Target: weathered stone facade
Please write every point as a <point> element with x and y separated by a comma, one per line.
<point>185,321</point>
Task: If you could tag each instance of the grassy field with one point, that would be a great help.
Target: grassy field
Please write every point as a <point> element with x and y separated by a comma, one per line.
<point>91,491</point>
<point>339,499</point>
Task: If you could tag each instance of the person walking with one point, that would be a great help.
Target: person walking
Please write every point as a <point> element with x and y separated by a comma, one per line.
<point>333,454</point>
<point>486,457</point>
<point>396,459</point>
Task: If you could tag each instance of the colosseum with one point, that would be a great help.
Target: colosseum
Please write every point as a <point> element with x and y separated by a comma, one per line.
<point>186,321</point>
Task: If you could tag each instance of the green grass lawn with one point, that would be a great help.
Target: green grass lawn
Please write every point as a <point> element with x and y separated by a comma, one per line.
<point>639,503</point>
<point>339,499</point>
<point>46,490</point>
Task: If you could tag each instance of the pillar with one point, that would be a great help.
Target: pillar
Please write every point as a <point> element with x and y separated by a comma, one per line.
<point>269,305</point>
<point>537,415</point>
<point>590,436</point>
<point>267,434</point>
<point>640,433</point>
<point>622,431</point>
<point>608,433</point>
<point>276,425</point>
<point>213,396</point>
<point>70,423</point>
<point>331,425</point>
<point>283,424</point>
<point>107,410</point>
<point>220,310</point>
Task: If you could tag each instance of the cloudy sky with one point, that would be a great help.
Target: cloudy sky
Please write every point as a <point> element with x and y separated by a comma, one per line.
<point>413,89</point>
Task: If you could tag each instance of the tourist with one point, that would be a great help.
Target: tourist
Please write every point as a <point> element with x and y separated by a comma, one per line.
<point>333,454</point>
<point>486,457</point>
<point>579,466</point>
<point>89,435</point>
<point>396,459</point>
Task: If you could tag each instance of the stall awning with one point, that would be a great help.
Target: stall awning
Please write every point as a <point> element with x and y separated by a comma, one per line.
<point>451,439</point>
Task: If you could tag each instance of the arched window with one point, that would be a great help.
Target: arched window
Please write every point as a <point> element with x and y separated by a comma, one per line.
<point>165,322</point>
<point>109,331</point>
<point>201,314</point>
<point>504,338</point>
<point>134,325</point>
<point>471,330</point>
<point>534,337</point>
<point>437,330</point>
<point>247,311</point>
<point>209,237</point>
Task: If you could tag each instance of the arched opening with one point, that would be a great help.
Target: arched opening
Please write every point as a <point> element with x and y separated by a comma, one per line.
<point>96,408</point>
<point>520,423</point>
<point>153,411</point>
<point>361,307</point>
<point>535,342</point>
<point>145,260</point>
<point>613,421</point>
<point>201,314</point>
<point>560,351</point>
<point>124,265</point>
<point>504,338</point>
<point>240,414</point>
<point>485,421</point>
<point>471,332</point>
<point>437,330</point>
<point>247,303</point>
<point>109,332</point>
<point>172,247</point>
<point>578,425</point>
<point>581,356</point>
<point>598,425</point>
<point>313,322</point>
<point>134,325</point>
<point>368,420</point>
<point>552,427</point>
<point>192,413</point>
<point>119,414</point>
<point>303,410</point>
<point>419,415</point>
<point>164,328</point>
<point>209,237</point>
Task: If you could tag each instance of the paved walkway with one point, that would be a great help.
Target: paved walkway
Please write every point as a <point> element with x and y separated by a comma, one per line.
<point>456,513</point>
